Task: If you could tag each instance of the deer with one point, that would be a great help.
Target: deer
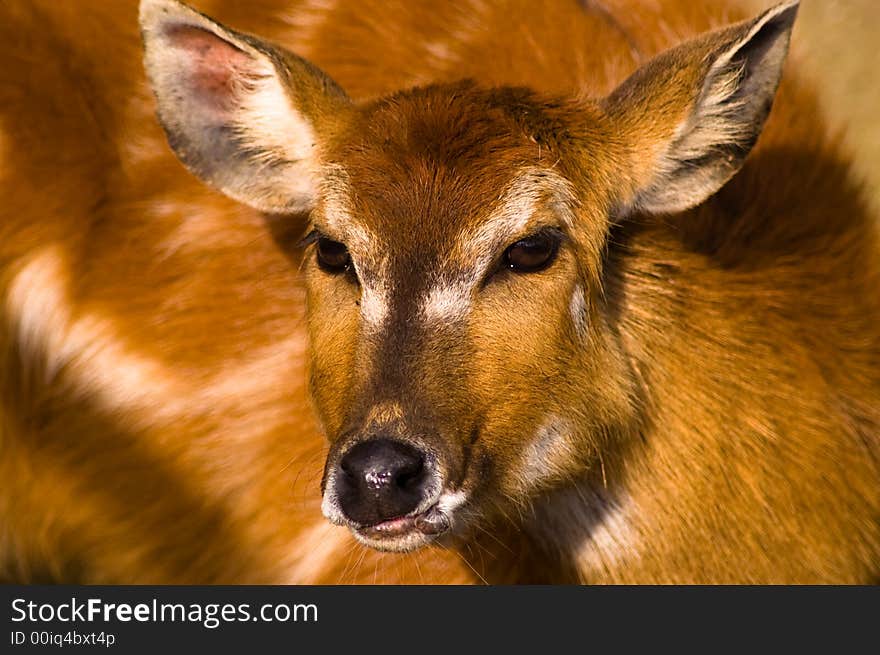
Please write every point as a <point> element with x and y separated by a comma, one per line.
<point>579,292</point>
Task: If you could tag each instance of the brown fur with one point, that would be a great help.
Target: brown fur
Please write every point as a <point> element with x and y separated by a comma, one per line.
<point>155,425</point>
<point>179,483</point>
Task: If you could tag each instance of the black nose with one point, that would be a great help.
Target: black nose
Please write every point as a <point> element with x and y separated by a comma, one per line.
<point>380,480</point>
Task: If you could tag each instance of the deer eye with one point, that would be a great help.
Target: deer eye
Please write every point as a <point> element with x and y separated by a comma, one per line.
<point>534,253</point>
<point>332,255</point>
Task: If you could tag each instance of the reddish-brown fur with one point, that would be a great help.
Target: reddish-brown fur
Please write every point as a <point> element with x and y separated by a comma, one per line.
<point>752,322</point>
<point>220,489</point>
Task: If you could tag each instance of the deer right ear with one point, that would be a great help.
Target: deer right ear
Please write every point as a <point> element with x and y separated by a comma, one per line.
<point>692,114</point>
<point>242,114</point>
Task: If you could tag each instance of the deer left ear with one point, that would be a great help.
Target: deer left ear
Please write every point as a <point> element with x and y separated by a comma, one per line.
<point>693,113</point>
<point>242,114</point>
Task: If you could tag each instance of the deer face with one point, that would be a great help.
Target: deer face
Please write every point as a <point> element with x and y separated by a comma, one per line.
<point>463,350</point>
<point>449,309</point>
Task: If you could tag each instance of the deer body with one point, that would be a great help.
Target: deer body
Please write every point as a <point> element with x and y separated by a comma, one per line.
<point>537,301</point>
<point>144,374</point>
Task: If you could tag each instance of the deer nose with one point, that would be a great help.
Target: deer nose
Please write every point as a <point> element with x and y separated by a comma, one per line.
<point>379,480</point>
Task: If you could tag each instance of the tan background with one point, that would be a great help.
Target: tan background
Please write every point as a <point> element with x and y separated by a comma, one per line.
<point>838,44</point>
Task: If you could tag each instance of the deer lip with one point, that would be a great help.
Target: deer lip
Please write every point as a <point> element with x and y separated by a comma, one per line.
<point>430,523</point>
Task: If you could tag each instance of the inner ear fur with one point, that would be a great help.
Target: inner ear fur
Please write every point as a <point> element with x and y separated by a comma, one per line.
<point>244,115</point>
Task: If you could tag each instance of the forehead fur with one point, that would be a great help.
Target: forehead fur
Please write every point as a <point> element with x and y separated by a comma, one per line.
<point>425,164</point>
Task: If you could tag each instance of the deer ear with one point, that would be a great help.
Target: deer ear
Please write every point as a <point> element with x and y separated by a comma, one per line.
<point>692,114</point>
<point>242,114</point>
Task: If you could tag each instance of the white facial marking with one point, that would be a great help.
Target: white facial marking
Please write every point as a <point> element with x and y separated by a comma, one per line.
<point>374,306</point>
<point>447,302</point>
<point>450,501</point>
<point>548,454</point>
<point>336,209</point>
<point>578,308</point>
<point>532,190</point>
<point>330,504</point>
<point>613,539</point>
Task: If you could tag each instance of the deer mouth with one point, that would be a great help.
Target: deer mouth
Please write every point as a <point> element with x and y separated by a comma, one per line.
<point>406,533</point>
<point>432,522</point>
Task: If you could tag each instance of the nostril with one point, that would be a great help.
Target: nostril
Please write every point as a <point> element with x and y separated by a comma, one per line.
<point>412,476</point>
<point>347,467</point>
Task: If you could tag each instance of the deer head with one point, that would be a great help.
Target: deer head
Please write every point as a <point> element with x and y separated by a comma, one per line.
<point>462,349</point>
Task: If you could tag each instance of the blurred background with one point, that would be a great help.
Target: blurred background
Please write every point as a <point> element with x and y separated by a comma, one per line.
<point>837,43</point>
